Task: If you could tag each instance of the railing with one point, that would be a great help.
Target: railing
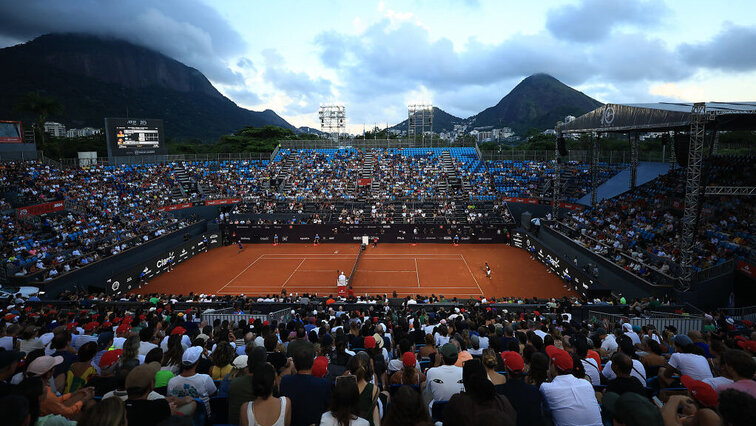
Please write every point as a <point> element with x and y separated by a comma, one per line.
<point>745,313</point>
<point>611,157</point>
<point>682,323</point>
<point>228,314</point>
<point>370,143</point>
<point>715,271</point>
<point>153,159</point>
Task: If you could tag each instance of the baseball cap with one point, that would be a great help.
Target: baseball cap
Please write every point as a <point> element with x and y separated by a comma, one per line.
<point>141,376</point>
<point>123,328</point>
<point>91,325</point>
<point>240,362</point>
<point>701,391</point>
<point>408,359</point>
<point>370,342</point>
<point>320,367</point>
<point>178,330</point>
<point>475,341</point>
<point>191,355</point>
<point>110,357</point>
<point>632,409</point>
<point>9,357</point>
<point>627,326</point>
<point>43,364</point>
<point>449,350</point>
<point>561,358</point>
<point>513,361</point>
<point>683,340</point>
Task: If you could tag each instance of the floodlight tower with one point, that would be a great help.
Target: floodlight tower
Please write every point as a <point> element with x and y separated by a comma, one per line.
<point>332,118</point>
<point>420,118</point>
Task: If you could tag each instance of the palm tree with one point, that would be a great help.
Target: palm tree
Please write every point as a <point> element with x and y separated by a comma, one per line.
<point>43,107</point>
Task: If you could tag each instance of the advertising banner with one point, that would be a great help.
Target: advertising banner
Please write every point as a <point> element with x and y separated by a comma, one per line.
<point>39,209</point>
<point>140,274</point>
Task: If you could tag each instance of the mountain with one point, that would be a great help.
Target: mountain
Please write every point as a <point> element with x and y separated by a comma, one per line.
<point>442,121</point>
<point>310,130</point>
<point>95,77</point>
<point>538,101</point>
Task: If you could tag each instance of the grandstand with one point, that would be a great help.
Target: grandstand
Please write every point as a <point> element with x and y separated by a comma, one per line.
<point>221,251</point>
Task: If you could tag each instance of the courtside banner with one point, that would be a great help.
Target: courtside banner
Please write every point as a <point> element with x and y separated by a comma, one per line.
<point>40,209</point>
<point>747,269</point>
<point>175,207</point>
<point>568,206</point>
<point>141,274</point>
<point>223,201</point>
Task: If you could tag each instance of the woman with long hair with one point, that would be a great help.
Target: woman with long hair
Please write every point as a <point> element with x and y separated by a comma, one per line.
<point>360,366</point>
<point>172,357</point>
<point>222,357</point>
<point>479,396</point>
<point>345,404</point>
<point>491,363</point>
<point>131,349</point>
<point>109,412</point>
<point>79,373</point>
<point>538,369</point>
<point>407,409</point>
<point>408,375</point>
<point>266,409</point>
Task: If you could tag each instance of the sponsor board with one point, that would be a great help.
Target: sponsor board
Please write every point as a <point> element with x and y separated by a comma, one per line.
<point>40,209</point>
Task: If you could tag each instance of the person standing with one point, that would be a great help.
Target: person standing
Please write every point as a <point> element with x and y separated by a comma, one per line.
<point>488,271</point>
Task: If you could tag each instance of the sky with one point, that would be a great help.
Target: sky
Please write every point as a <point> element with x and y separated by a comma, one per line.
<point>378,57</point>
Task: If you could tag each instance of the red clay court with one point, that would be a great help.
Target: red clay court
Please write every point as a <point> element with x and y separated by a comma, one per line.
<point>439,269</point>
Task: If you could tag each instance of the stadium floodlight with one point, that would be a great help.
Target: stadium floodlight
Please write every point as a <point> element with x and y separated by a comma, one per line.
<point>332,120</point>
<point>420,120</point>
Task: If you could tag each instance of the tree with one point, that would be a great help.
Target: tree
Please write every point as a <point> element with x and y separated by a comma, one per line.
<point>42,107</point>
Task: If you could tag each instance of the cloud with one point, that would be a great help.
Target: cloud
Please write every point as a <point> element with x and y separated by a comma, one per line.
<point>593,20</point>
<point>732,49</point>
<point>304,90</point>
<point>186,30</point>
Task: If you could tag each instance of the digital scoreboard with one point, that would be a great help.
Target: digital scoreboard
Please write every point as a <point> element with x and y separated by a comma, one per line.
<point>134,136</point>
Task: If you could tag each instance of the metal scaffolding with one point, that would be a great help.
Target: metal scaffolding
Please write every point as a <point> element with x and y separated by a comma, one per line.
<point>332,120</point>
<point>692,192</point>
<point>557,186</point>
<point>633,159</point>
<point>594,168</point>
<point>731,190</point>
<point>420,119</point>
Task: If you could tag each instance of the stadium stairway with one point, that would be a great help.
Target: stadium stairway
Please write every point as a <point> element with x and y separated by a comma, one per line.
<point>620,183</point>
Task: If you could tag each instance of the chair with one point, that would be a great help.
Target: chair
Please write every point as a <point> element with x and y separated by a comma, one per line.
<point>437,411</point>
<point>200,415</point>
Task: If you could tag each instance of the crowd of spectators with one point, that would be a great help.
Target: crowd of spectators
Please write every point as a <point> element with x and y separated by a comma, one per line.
<point>108,210</point>
<point>641,228</point>
<point>142,360</point>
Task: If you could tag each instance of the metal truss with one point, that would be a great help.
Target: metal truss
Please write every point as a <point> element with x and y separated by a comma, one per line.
<point>595,169</point>
<point>633,160</point>
<point>420,120</point>
<point>730,190</point>
<point>692,192</point>
<point>332,120</point>
<point>557,186</point>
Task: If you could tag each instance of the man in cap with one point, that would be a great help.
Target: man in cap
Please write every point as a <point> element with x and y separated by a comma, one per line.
<point>608,342</point>
<point>572,401</point>
<point>140,410</point>
<point>629,332</point>
<point>191,383</point>
<point>309,395</point>
<point>445,380</point>
<point>524,397</point>
<point>106,380</point>
<point>240,389</point>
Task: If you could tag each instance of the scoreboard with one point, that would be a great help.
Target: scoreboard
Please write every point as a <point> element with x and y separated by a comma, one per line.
<point>134,136</point>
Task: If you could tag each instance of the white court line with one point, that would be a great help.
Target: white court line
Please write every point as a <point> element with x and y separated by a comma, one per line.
<point>375,270</point>
<point>292,274</point>
<point>417,274</point>
<point>471,274</point>
<point>243,270</point>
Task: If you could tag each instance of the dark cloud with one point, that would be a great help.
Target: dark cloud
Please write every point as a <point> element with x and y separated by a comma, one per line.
<point>593,20</point>
<point>732,49</point>
<point>186,30</point>
<point>242,96</point>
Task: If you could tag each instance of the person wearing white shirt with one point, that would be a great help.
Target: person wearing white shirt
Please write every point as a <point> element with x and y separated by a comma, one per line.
<point>572,401</point>
<point>446,380</point>
<point>146,335</point>
<point>631,334</point>
<point>608,343</point>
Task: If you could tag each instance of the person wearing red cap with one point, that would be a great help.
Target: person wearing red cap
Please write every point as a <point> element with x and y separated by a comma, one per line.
<point>525,398</point>
<point>571,401</point>
<point>408,375</point>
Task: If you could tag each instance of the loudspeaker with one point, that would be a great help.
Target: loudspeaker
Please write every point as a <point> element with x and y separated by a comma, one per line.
<point>562,147</point>
<point>682,142</point>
